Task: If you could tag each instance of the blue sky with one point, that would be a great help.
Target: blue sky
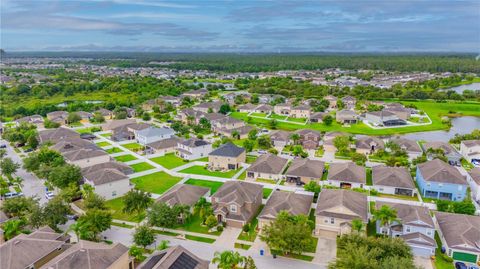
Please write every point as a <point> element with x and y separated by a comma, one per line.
<point>241,26</point>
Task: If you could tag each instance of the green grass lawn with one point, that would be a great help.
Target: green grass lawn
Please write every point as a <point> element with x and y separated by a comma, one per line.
<point>243,175</point>
<point>266,193</point>
<point>258,114</point>
<point>103,144</point>
<point>277,117</point>
<point>300,120</point>
<point>139,167</point>
<point>113,150</point>
<point>202,170</point>
<point>252,233</point>
<point>133,146</point>
<point>169,161</point>
<point>195,225</point>
<point>293,256</point>
<point>440,262</point>
<point>213,185</point>
<point>106,135</point>
<point>116,207</point>
<point>200,239</point>
<point>242,246</point>
<point>88,130</point>
<point>125,158</point>
<point>204,159</point>
<point>266,180</point>
<point>369,176</point>
<point>156,183</point>
<point>251,159</point>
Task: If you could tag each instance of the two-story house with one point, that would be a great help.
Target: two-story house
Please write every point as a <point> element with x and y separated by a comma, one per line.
<point>108,182</point>
<point>153,134</point>
<point>227,157</point>
<point>349,102</point>
<point>236,202</point>
<point>309,139</point>
<point>438,180</point>
<point>470,150</point>
<point>193,148</point>
<point>301,111</point>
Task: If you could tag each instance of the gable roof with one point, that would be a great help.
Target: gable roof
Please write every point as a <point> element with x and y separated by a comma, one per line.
<point>113,164</point>
<point>293,203</point>
<point>269,164</point>
<point>194,142</point>
<point>306,168</point>
<point>411,214</point>
<point>154,131</point>
<point>447,148</point>
<point>460,231</point>
<point>408,145</point>
<point>417,238</point>
<point>475,175</point>
<point>471,143</point>
<point>83,153</point>
<point>366,142</point>
<point>165,143</point>
<point>392,176</point>
<point>114,124</point>
<point>73,144</point>
<point>228,150</point>
<point>239,192</point>
<point>176,257</point>
<point>349,172</point>
<point>438,171</point>
<point>55,135</point>
<point>183,194</point>
<point>280,136</point>
<point>304,132</point>
<point>329,199</point>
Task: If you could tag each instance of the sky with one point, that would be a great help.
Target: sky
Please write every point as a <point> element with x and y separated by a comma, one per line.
<point>241,26</point>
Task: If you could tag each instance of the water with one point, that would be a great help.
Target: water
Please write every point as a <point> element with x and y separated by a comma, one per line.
<point>461,88</point>
<point>460,125</point>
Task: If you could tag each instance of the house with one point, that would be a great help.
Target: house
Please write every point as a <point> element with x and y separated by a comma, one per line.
<point>208,107</point>
<point>393,180</point>
<point>349,102</point>
<point>239,132</point>
<point>470,150</point>
<point>280,138</point>
<point>114,124</point>
<point>282,109</point>
<point>109,183</point>
<point>346,116</point>
<point>328,140</point>
<point>183,194</point>
<point>336,209</point>
<point>213,116</point>
<point>473,178</point>
<point>384,118</point>
<point>56,135</point>
<point>176,257</point>
<point>163,147</point>
<point>107,114</point>
<point>189,116</point>
<point>226,157</point>
<point>36,120</point>
<point>412,148</point>
<point>346,175</point>
<point>302,171</point>
<point>122,167</point>
<point>415,226</point>
<point>173,100</point>
<point>267,166</point>
<point>318,117</point>
<point>438,180</point>
<point>128,131</point>
<point>460,236</point>
<point>293,203</point>
<point>153,134</point>
<point>149,104</point>
<point>309,139</point>
<point>332,101</point>
<point>85,117</point>
<point>301,111</point>
<point>226,123</point>
<point>247,108</point>
<point>88,254</point>
<point>58,117</point>
<point>32,250</point>
<point>82,156</point>
<point>266,109</point>
<point>452,155</point>
<point>193,148</point>
<point>400,111</point>
<point>236,202</point>
<point>195,94</point>
<point>369,145</point>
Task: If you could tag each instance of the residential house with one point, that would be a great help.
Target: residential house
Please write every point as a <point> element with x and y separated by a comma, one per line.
<point>189,116</point>
<point>109,183</point>
<point>149,104</point>
<point>336,209</point>
<point>173,100</point>
<point>193,148</point>
<point>107,114</point>
<point>86,157</point>
<point>208,107</point>
<point>415,226</point>
<point>302,171</point>
<point>88,254</point>
<point>36,120</point>
<point>460,236</point>
<point>438,180</point>
<point>470,150</point>
<point>328,140</point>
<point>122,167</point>
<point>280,138</point>
<point>294,203</point>
<point>128,131</point>
<point>114,124</point>
<point>332,101</point>
<point>163,147</point>
<point>247,108</point>
<point>236,202</point>
<point>195,94</point>
<point>369,145</point>
<point>226,157</point>
<point>349,102</point>
<point>183,194</point>
<point>153,134</point>
<point>393,180</point>
<point>309,139</point>
<point>268,98</point>
<point>384,118</point>
<point>176,257</point>
<point>412,148</point>
<point>226,123</point>
<point>58,117</point>
<point>239,132</point>
<point>266,109</point>
<point>282,109</point>
<point>300,111</point>
<point>85,117</point>
<point>267,166</point>
<point>400,111</point>
<point>452,155</point>
<point>56,135</point>
<point>346,116</point>
<point>318,117</point>
<point>473,178</point>
<point>346,175</point>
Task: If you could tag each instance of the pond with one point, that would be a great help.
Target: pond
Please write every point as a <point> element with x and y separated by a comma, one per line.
<point>460,125</point>
<point>461,88</point>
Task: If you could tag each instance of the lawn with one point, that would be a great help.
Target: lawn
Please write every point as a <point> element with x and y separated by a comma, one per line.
<point>243,175</point>
<point>139,167</point>
<point>369,177</point>
<point>125,158</point>
<point>200,239</point>
<point>266,180</point>
<point>252,233</point>
<point>103,144</point>
<point>251,159</point>
<point>133,146</point>
<point>242,246</point>
<point>258,115</point>
<point>440,262</point>
<point>204,159</point>
<point>156,183</point>
<point>266,193</point>
<point>169,161</point>
<point>107,135</point>
<point>195,225</point>
<point>212,185</point>
<point>116,206</point>
<point>202,170</point>
<point>278,117</point>
<point>293,256</point>
<point>113,150</point>
<point>300,120</point>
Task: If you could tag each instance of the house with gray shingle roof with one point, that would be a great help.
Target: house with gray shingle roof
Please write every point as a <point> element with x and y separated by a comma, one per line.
<point>346,116</point>
<point>473,179</point>
<point>280,138</point>
<point>58,116</point>
<point>451,153</point>
<point>369,145</point>
<point>108,182</point>
<point>412,148</point>
<point>393,180</point>
<point>153,134</point>
<point>176,257</point>
<point>346,175</point>
<point>470,150</point>
<point>56,135</point>
<point>193,148</point>
<point>183,194</point>
<point>163,147</point>
<point>267,166</point>
<point>227,157</point>
<point>302,171</point>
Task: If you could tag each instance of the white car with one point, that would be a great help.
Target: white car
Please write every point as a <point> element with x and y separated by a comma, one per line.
<point>49,195</point>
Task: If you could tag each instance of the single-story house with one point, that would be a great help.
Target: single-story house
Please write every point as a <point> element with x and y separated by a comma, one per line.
<point>183,194</point>
<point>346,175</point>
<point>393,180</point>
<point>412,148</point>
<point>267,166</point>
<point>318,116</point>
<point>280,138</point>
<point>369,145</point>
<point>176,257</point>
<point>452,155</point>
<point>163,147</point>
<point>56,135</point>
<point>346,116</point>
<point>302,171</point>
<point>384,118</point>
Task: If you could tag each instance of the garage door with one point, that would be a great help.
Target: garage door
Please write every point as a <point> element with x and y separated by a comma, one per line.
<point>421,251</point>
<point>327,234</point>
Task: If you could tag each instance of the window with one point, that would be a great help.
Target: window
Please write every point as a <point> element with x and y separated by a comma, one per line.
<point>233,208</point>
<point>429,232</point>
<point>114,193</point>
<point>332,220</point>
<point>407,229</point>
<point>326,220</point>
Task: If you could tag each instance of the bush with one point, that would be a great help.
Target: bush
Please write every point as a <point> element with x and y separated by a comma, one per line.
<point>373,192</point>
<point>246,228</point>
<point>220,228</point>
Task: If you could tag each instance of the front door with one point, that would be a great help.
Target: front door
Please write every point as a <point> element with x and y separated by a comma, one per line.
<point>219,218</point>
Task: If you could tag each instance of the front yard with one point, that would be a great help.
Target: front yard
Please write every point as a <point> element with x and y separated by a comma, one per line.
<point>266,193</point>
<point>116,207</point>
<point>213,185</point>
<point>113,150</point>
<point>103,144</point>
<point>195,225</point>
<point>169,161</point>
<point>202,170</point>
<point>133,146</point>
<point>155,183</point>
<point>125,158</point>
<point>139,167</point>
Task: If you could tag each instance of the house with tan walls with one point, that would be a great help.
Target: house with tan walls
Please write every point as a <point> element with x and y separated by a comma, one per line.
<point>267,166</point>
<point>226,157</point>
<point>302,171</point>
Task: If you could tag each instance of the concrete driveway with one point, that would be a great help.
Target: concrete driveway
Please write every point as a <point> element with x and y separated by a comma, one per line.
<point>228,237</point>
<point>326,250</point>
<point>423,262</point>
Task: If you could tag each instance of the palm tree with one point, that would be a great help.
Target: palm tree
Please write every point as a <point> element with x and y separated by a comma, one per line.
<point>228,259</point>
<point>357,225</point>
<point>386,215</point>
<point>295,137</point>
<point>164,244</point>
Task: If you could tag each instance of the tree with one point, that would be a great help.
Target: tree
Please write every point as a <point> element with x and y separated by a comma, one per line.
<point>55,212</point>
<point>252,135</point>
<point>136,252</point>
<point>161,215</point>
<point>295,137</point>
<point>144,236</point>
<point>12,228</point>
<point>358,158</point>
<point>386,215</point>
<point>3,153</point>
<point>250,263</point>
<point>164,244</point>
<point>224,109</point>
<point>342,143</point>
<point>32,141</point>
<point>121,115</point>
<point>236,134</point>
<point>248,145</point>
<point>73,118</point>
<point>146,116</point>
<point>289,234</point>
<point>19,206</point>
<point>63,176</point>
<point>313,187</point>
<point>211,221</point>
<point>298,151</point>
<point>273,124</point>
<point>136,201</point>
<point>94,201</point>
<point>357,225</point>
<point>264,142</point>
<point>8,167</point>
<point>92,223</point>
<point>97,117</point>
<point>228,259</point>
<point>327,120</point>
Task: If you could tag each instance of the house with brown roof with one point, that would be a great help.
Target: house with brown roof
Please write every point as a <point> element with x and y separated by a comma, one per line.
<point>107,114</point>
<point>328,141</point>
<point>470,150</point>
<point>56,135</point>
<point>108,182</point>
<point>473,178</point>
<point>317,116</point>
<point>86,157</point>
<point>247,108</point>
<point>183,194</point>
<point>227,157</point>
<point>412,148</point>
<point>237,202</point>
<point>293,203</point>
<point>393,180</point>
<point>369,145</point>
<point>189,116</point>
<point>346,175</point>
<point>176,257</point>
<point>193,148</point>
<point>208,107</point>
<point>332,101</point>
<point>128,131</point>
<point>58,117</point>
<point>309,139</point>
<point>122,167</point>
<point>36,120</point>
<point>109,126</point>
<point>163,147</point>
<point>85,117</point>
<point>300,111</point>
<point>226,123</point>
<point>267,166</point>
<point>282,109</point>
<point>336,209</point>
<point>460,236</point>
<point>349,102</point>
<point>280,138</point>
<point>302,171</point>
<point>451,153</point>
<point>264,108</point>
<point>414,225</point>
<point>346,116</point>
<point>195,94</point>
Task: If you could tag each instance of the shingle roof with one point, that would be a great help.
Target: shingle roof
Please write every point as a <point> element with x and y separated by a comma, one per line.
<point>475,174</point>
<point>392,176</point>
<point>438,171</point>
<point>83,153</point>
<point>238,191</point>
<point>348,172</point>
<point>73,144</point>
<point>419,239</point>
<point>471,143</point>
<point>367,142</point>
<point>165,143</point>
<point>194,142</point>
<point>410,214</point>
<point>447,148</point>
<point>228,150</point>
<point>308,132</point>
<point>55,135</point>
<point>330,199</point>
<point>269,164</point>
<point>293,203</point>
<point>460,231</point>
<point>114,165</point>
<point>183,194</point>
<point>408,145</point>
<point>114,124</point>
<point>154,131</point>
<point>105,175</point>
<point>306,168</point>
<point>176,257</point>
<point>280,135</point>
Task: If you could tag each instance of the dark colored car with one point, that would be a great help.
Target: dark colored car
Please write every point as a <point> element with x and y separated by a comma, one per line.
<point>460,265</point>
<point>28,150</point>
<point>88,136</point>
<point>3,146</point>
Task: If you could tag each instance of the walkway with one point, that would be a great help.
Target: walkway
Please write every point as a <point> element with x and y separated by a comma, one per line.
<point>228,237</point>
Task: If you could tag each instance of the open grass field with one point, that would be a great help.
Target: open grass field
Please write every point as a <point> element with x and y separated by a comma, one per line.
<point>157,183</point>
<point>116,207</point>
<point>125,158</point>
<point>202,170</point>
<point>169,161</point>
<point>139,167</point>
<point>212,185</point>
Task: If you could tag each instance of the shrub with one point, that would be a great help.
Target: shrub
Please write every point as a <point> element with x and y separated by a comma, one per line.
<point>220,228</point>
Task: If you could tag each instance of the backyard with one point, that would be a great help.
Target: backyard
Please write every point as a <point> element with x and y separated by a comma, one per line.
<point>155,183</point>
<point>213,185</point>
<point>139,167</point>
<point>116,206</point>
<point>103,144</point>
<point>113,150</point>
<point>169,161</point>
<point>133,146</point>
<point>202,170</point>
<point>125,158</point>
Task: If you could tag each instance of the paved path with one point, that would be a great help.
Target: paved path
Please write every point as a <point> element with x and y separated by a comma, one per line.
<point>326,250</point>
<point>228,237</point>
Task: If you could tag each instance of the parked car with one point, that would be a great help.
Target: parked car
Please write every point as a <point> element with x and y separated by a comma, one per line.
<point>88,136</point>
<point>13,194</point>
<point>28,150</point>
<point>49,195</point>
<point>3,146</point>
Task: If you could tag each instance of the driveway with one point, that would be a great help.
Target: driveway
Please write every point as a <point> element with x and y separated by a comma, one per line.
<point>423,262</point>
<point>228,237</point>
<point>326,250</point>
